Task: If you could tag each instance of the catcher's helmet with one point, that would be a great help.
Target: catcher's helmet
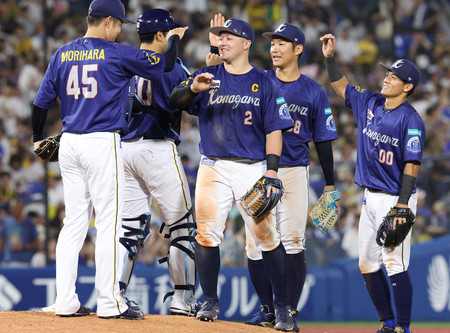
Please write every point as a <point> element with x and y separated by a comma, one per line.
<point>154,20</point>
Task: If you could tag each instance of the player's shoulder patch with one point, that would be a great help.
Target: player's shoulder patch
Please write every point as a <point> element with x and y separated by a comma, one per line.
<point>283,110</point>
<point>413,145</point>
<point>330,124</point>
<point>153,58</point>
<point>414,131</point>
<point>327,110</point>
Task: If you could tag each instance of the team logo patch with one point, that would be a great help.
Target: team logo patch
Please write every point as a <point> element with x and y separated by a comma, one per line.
<point>284,112</point>
<point>280,100</point>
<point>207,161</point>
<point>413,145</point>
<point>216,84</point>
<point>364,201</point>
<point>414,132</point>
<point>327,110</point>
<point>153,58</point>
<point>369,114</point>
<point>331,126</point>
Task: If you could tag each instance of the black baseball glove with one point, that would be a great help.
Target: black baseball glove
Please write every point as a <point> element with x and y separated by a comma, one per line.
<point>256,203</point>
<point>48,148</point>
<point>387,236</point>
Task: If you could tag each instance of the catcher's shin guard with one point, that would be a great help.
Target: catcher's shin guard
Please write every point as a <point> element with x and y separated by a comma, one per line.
<point>134,240</point>
<point>181,261</point>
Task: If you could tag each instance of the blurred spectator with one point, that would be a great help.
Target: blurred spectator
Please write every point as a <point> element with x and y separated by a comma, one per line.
<point>19,237</point>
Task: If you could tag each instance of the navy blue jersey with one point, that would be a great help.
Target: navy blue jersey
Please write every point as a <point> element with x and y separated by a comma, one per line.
<point>157,119</point>
<point>237,113</point>
<point>386,140</point>
<point>91,77</point>
<point>310,110</point>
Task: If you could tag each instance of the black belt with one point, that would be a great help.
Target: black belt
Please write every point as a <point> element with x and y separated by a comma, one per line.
<point>374,190</point>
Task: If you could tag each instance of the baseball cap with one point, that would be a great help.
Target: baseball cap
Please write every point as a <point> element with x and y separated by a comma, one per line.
<point>406,70</point>
<point>154,20</point>
<point>236,27</point>
<point>105,8</point>
<point>287,31</point>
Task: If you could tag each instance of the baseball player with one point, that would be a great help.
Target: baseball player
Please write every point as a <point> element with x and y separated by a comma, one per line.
<point>91,75</point>
<point>389,151</point>
<point>153,170</point>
<point>310,110</point>
<point>241,118</point>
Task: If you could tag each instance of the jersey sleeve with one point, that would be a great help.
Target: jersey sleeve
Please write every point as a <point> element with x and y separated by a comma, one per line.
<point>324,128</point>
<point>149,65</point>
<point>46,94</point>
<point>355,99</point>
<point>276,113</point>
<point>414,138</point>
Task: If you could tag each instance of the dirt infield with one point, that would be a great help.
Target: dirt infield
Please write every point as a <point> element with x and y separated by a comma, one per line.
<point>43,322</point>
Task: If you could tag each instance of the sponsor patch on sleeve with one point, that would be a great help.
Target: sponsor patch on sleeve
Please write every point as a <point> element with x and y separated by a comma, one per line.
<point>414,131</point>
<point>207,161</point>
<point>327,111</point>
<point>280,100</point>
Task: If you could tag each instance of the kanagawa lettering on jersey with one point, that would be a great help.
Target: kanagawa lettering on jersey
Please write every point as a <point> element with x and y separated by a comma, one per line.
<point>155,119</point>
<point>313,120</point>
<point>86,66</point>
<point>383,146</point>
<point>248,105</point>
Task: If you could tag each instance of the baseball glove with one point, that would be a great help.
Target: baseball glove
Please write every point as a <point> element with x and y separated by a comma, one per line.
<point>387,236</point>
<point>324,214</point>
<point>256,203</point>
<point>48,148</point>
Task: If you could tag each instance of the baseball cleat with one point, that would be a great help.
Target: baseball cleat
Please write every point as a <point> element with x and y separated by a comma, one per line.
<point>181,308</point>
<point>385,329</point>
<point>262,318</point>
<point>294,314</point>
<point>128,314</point>
<point>283,318</point>
<point>82,311</point>
<point>131,304</point>
<point>399,329</point>
<point>209,310</point>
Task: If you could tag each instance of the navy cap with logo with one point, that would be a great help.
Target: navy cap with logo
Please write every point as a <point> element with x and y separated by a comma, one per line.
<point>154,20</point>
<point>287,31</point>
<point>236,27</point>
<point>406,70</point>
<point>105,8</point>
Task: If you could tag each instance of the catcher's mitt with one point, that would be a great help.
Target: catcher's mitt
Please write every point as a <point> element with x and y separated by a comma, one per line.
<point>48,148</point>
<point>387,236</point>
<point>256,203</point>
<point>324,214</point>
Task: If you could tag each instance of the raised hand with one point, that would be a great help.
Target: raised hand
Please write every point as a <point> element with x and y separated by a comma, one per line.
<point>178,31</point>
<point>328,45</point>
<point>218,20</point>
<point>202,82</point>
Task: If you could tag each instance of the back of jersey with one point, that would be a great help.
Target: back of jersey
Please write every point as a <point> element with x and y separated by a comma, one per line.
<point>87,75</point>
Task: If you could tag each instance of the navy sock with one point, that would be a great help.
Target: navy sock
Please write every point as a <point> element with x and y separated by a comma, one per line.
<point>207,261</point>
<point>275,263</point>
<point>296,269</point>
<point>403,291</point>
<point>261,282</point>
<point>378,288</point>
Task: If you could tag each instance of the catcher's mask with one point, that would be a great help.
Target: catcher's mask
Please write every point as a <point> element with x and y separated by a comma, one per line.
<point>154,20</point>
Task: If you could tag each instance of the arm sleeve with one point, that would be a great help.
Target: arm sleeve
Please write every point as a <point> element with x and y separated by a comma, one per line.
<point>171,52</point>
<point>181,97</point>
<point>38,121</point>
<point>325,152</point>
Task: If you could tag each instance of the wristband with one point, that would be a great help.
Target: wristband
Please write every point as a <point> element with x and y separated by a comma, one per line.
<point>334,72</point>
<point>272,162</point>
<point>408,183</point>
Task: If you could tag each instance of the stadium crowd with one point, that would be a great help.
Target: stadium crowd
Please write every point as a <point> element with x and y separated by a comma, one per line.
<point>368,32</point>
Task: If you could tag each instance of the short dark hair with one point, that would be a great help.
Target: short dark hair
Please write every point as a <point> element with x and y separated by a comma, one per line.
<point>150,38</point>
<point>94,20</point>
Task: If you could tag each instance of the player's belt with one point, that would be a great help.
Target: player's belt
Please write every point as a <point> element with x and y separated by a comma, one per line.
<point>374,190</point>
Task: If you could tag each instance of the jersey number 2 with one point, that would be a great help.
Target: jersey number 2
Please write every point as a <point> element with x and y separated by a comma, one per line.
<point>73,82</point>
